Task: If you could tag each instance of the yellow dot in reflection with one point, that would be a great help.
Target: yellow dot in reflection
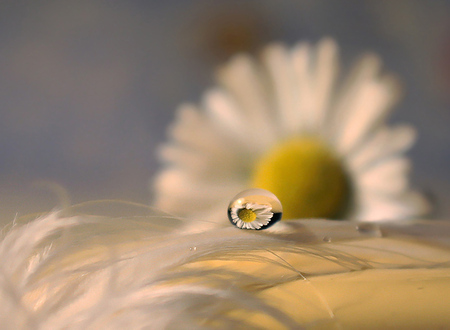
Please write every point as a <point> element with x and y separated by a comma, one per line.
<point>247,215</point>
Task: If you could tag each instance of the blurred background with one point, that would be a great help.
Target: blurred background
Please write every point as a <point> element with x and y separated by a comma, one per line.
<point>87,88</point>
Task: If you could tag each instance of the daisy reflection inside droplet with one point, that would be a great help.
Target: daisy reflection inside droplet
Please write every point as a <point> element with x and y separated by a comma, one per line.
<point>254,209</point>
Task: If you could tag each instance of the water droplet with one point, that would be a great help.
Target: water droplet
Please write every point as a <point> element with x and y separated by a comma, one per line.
<point>327,239</point>
<point>193,248</point>
<point>369,229</point>
<point>254,209</point>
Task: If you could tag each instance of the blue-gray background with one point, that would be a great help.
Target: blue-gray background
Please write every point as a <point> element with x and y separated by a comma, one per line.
<point>87,88</point>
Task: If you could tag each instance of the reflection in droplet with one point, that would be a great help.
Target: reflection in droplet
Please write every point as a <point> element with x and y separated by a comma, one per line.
<point>254,209</point>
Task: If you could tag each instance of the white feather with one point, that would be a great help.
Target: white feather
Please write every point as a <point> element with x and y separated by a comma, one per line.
<point>112,265</point>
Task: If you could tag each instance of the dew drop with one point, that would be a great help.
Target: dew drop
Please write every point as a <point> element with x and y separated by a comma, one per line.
<point>254,209</point>
<point>327,239</point>
<point>369,229</point>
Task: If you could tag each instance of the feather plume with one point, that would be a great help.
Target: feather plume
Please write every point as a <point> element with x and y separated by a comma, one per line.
<point>111,264</point>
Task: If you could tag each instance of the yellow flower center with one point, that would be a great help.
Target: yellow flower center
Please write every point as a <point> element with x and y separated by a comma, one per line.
<point>307,178</point>
<point>247,215</point>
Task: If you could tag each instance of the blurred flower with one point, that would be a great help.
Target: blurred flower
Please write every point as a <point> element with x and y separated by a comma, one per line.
<point>282,125</point>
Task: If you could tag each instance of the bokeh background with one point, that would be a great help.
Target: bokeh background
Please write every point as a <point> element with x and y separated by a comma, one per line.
<point>87,88</point>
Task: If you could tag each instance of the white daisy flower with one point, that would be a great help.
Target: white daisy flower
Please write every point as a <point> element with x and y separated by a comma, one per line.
<point>251,215</point>
<point>254,209</point>
<point>285,124</point>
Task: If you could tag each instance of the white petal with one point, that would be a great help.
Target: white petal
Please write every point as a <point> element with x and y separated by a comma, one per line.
<point>181,193</point>
<point>368,109</point>
<point>325,71</point>
<point>363,103</point>
<point>389,177</point>
<point>378,207</point>
<point>302,117</point>
<point>277,61</point>
<point>193,130</point>
<point>201,164</point>
<point>265,216</point>
<point>259,207</point>
<point>367,69</point>
<point>222,110</point>
<point>179,183</point>
<point>233,122</point>
<point>315,75</point>
<point>248,87</point>
<point>384,143</point>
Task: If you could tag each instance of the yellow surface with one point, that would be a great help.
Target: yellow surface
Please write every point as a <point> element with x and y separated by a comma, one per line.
<point>372,283</point>
<point>377,299</point>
